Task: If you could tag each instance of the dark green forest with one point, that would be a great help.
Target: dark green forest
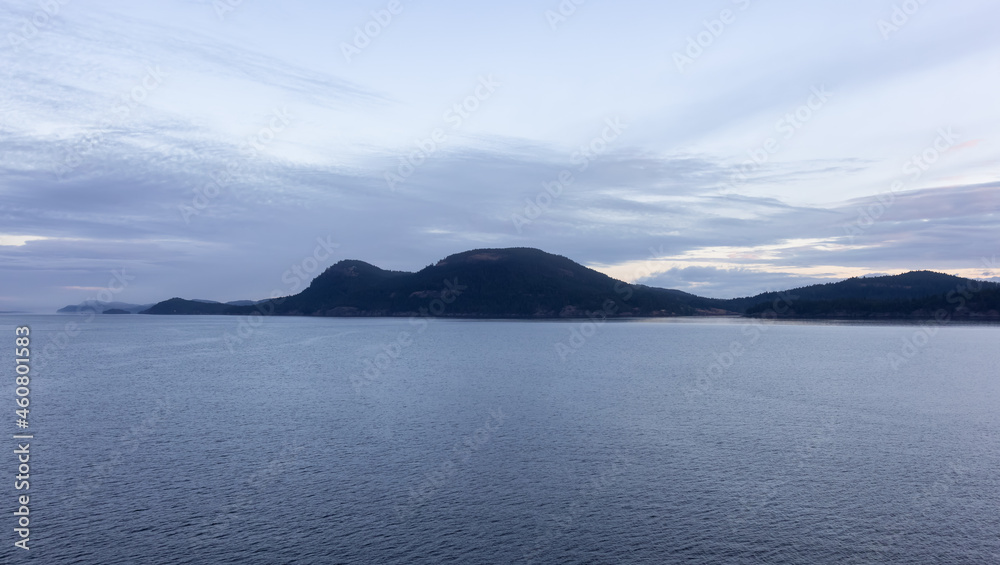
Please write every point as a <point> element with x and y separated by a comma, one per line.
<point>529,283</point>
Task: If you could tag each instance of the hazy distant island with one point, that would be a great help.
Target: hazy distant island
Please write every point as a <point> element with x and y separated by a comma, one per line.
<point>94,306</point>
<point>97,307</point>
<point>524,283</point>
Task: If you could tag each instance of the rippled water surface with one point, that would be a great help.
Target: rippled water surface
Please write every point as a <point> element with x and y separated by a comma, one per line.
<point>161,440</point>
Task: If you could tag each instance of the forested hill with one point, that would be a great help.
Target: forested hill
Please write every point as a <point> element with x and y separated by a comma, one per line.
<point>495,283</point>
<point>916,295</point>
<point>529,283</point>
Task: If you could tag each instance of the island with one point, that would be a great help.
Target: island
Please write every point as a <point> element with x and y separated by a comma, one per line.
<point>526,283</point>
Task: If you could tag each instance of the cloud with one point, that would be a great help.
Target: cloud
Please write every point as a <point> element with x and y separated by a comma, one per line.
<point>123,210</point>
<point>18,240</point>
<point>714,282</point>
<point>664,186</point>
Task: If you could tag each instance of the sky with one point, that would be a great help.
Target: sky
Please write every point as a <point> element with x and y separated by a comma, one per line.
<point>208,148</point>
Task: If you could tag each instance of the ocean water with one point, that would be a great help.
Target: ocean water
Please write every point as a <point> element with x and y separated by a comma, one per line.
<point>299,440</point>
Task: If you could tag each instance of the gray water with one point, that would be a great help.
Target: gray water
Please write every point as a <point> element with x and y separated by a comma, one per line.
<point>160,440</point>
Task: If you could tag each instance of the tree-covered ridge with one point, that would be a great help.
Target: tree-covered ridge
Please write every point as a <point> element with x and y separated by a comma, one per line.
<point>529,283</point>
<point>917,294</point>
<point>496,283</point>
